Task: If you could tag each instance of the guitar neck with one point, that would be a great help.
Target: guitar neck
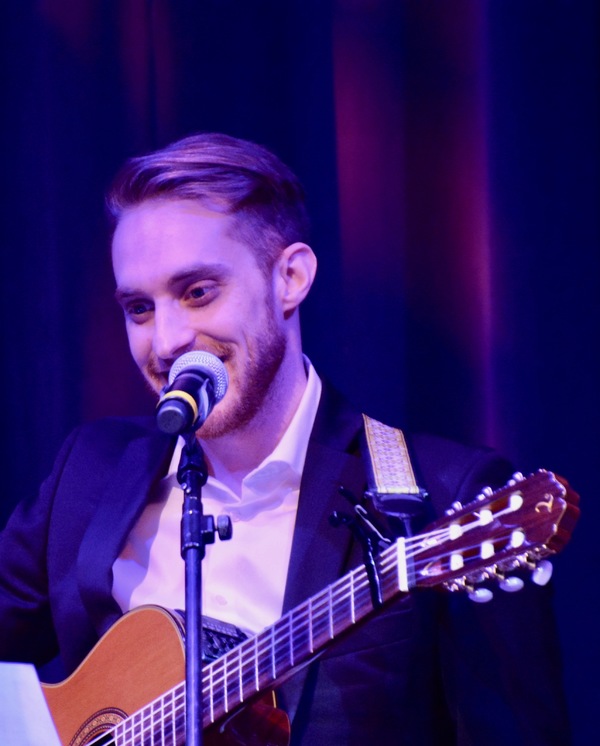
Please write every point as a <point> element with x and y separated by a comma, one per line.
<point>521,523</point>
<point>260,662</point>
<point>271,656</point>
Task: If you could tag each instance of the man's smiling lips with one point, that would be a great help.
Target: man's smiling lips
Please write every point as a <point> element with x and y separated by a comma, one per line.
<point>161,375</point>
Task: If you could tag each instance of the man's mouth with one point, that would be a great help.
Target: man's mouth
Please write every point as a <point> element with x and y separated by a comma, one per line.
<point>160,376</point>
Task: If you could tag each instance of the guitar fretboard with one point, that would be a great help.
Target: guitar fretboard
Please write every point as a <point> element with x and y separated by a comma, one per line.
<point>528,520</point>
<point>269,657</point>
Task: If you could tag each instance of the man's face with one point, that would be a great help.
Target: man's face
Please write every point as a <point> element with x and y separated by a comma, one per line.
<point>184,284</point>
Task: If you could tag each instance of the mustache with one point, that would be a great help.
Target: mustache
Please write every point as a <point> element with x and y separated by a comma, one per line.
<point>158,371</point>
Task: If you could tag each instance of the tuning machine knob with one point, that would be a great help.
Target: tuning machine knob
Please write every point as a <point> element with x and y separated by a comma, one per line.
<point>511,584</point>
<point>454,508</point>
<point>516,477</point>
<point>478,595</point>
<point>481,595</point>
<point>542,573</point>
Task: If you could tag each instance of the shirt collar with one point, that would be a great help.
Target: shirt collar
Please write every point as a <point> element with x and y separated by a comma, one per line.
<point>283,467</point>
<point>291,449</point>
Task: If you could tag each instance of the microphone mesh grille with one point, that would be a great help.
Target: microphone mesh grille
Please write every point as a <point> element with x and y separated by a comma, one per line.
<point>208,364</point>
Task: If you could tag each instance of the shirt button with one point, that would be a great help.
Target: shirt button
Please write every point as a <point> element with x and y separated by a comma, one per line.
<point>221,600</point>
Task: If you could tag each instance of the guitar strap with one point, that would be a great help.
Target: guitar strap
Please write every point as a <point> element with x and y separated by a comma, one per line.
<point>391,478</point>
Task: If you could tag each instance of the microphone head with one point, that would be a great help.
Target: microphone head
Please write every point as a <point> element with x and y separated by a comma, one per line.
<point>206,363</point>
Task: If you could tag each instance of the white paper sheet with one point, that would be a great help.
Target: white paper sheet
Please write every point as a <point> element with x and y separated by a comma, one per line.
<point>24,716</point>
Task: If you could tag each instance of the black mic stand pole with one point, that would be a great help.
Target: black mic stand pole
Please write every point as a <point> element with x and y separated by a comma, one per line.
<point>197,530</point>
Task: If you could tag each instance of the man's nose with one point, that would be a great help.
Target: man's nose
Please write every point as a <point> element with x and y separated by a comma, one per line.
<point>173,333</point>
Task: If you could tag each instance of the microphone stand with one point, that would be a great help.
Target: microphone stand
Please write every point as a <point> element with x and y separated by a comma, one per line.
<point>197,530</point>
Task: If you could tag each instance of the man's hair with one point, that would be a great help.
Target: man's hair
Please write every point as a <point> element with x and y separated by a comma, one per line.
<point>241,178</point>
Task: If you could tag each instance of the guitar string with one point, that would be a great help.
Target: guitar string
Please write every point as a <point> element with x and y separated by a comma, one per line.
<point>317,605</point>
<point>146,714</point>
<point>284,642</point>
<point>296,629</point>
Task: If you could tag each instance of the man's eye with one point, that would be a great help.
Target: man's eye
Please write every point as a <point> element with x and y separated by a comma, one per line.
<point>137,311</point>
<point>200,294</point>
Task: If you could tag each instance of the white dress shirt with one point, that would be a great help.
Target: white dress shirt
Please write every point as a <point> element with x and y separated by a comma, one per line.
<point>243,579</point>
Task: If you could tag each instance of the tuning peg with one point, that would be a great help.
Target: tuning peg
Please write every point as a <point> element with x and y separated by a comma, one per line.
<point>456,506</point>
<point>478,595</point>
<point>516,477</point>
<point>527,562</point>
<point>485,493</point>
<point>481,595</point>
<point>459,585</point>
<point>542,573</point>
<point>511,584</point>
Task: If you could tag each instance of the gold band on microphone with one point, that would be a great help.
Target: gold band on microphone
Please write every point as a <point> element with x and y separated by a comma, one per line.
<point>182,395</point>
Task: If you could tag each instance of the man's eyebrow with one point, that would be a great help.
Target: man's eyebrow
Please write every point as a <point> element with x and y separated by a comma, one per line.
<point>124,294</point>
<point>216,271</point>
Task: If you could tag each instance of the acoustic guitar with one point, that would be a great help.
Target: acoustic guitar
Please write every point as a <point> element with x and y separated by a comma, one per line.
<point>130,689</point>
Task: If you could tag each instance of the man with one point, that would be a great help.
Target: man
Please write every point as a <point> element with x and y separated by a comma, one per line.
<point>210,253</point>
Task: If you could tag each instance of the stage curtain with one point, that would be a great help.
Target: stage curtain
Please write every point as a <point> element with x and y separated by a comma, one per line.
<point>449,152</point>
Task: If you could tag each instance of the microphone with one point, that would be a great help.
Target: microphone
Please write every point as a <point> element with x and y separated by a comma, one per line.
<point>197,381</point>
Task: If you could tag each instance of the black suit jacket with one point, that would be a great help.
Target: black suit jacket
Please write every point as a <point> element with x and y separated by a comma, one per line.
<point>430,669</point>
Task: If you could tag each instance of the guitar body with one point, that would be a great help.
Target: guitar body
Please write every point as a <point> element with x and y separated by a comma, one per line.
<point>139,659</point>
<point>130,690</point>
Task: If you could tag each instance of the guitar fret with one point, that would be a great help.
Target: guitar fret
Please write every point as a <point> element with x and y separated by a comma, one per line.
<point>225,688</point>
<point>211,697</point>
<point>240,674</point>
<point>320,619</point>
<point>245,682</point>
<point>273,665</point>
<point>167,710</point>
<point>254,664</point>
<point>166,718</point>
<point>155,717</point>
<point>424,560</point>
<point>402,568</point>
<point>291,639</point>
<point>282,651</point>
<point>248,671</point>
<point>256,668</point>
<point>341,609</point>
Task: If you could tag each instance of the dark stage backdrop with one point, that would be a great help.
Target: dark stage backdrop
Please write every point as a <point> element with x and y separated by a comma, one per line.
<point>449,150</point>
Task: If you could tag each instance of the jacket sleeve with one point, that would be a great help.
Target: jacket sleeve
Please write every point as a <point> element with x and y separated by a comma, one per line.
<point>27,632</point>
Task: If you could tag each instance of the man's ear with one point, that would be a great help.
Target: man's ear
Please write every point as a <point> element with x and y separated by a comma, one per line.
<point>294,274</point>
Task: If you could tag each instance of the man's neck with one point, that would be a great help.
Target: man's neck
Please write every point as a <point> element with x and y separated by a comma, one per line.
<point>230,458</point>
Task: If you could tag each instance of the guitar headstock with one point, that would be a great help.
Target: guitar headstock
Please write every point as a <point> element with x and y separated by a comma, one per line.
<point>516,526</point>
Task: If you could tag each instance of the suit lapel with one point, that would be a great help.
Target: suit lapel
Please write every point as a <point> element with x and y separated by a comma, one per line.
<point>144,460</point>
<point>320,552</point>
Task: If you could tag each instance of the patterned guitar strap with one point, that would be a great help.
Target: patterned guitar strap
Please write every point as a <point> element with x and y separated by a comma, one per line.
<point>391,480</point>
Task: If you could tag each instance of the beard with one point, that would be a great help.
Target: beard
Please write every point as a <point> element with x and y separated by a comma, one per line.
<point>253,385</point>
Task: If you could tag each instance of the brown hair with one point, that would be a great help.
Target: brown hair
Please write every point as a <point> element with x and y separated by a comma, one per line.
<point>249,181</point>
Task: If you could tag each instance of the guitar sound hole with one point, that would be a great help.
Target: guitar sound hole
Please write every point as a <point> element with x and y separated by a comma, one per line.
<point>98,729</point>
